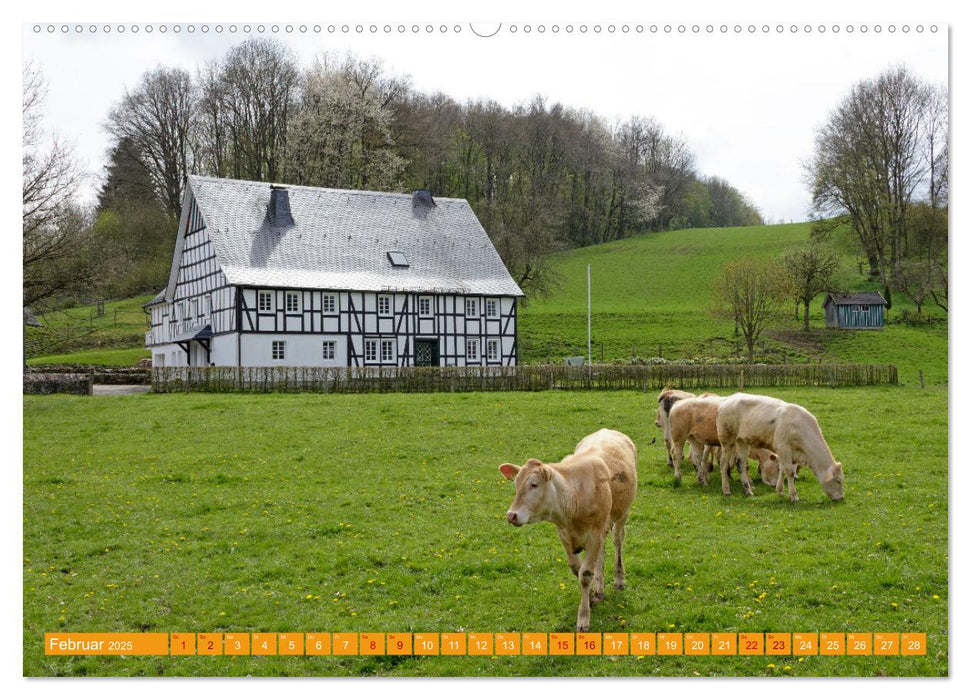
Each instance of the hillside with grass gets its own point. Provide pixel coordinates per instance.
(651, 297)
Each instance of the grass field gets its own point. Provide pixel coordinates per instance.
(386, 513)
(652, 292)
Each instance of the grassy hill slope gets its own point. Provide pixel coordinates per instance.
(651, 296)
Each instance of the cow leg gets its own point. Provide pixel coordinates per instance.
(588, 570)
(620, 531)
(787, 472)
(728, 456)
(677, 455)
(741, 455)
(571, 556)
(791, 477)
(698, 452)
(597, 595)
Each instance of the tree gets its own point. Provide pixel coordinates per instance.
(59, 255)
(753, 293)
(870, 159)
(813, 269)
(246, 103)
(152, 123)
(343, 134)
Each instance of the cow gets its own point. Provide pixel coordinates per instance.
(787, 429)
(768, 462)
(692, 420)
(586, 494)
(665, 401)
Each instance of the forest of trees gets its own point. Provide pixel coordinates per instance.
(541, 177)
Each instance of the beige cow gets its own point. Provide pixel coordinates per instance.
(585, 495)
(787, 429)
(692, 420)
(767, 459)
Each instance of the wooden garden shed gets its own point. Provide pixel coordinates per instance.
(860, 310)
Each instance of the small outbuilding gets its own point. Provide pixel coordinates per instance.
(860, 310)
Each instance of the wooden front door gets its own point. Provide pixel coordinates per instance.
(426, 353)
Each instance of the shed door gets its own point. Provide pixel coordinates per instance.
(426, 353)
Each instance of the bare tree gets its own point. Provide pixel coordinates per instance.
(753, 293)
(813, 269)
(870, 158)
(153, 123)
(58, 247)
(245, 108)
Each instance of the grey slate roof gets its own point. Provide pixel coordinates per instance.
(856, 298)
(155, 299)
(340, 240)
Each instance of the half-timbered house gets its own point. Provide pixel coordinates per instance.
(266, 275)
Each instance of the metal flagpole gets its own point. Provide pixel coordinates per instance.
(589, 355)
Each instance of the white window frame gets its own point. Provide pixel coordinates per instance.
(295, 297)
(193, 309)
(389, 345)
(425, 301)
(385, 299)
(329, 304)
(490, 344)
(208, 305)
(370, 350)
(472, 344)
(262, 295)
(278, 350)
(492, 308)
(331, 346)
(471, 307)
(865, 308)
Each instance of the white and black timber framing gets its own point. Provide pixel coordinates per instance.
(201, 318)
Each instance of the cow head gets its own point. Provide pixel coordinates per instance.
(832, 482)
(770, 469)
(533, 501)
(657, 419)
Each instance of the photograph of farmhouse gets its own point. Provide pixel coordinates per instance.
(441, 349)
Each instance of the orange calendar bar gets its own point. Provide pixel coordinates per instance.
(669, 643)
(859, 644)
(778, 643)
(886, 643)
(507, 644)
(643, 644)
(210, 644)
(237, 644)
(751, 643)
(805, 643)
(264, 644)
(453, 644)
(561, 644)
(616, 644)
(724, 644)
(317, 644)
(589, 644)
(535, 644)
(399, 643)
(696, 644)
(98, 644)
(291, 644)
(426, 644)
(372, 644)
(832, 643)
(913, 644)
(344, 644)
(183, 644)
(480, 644)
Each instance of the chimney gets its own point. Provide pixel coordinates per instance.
(422, 199)
(279, 210)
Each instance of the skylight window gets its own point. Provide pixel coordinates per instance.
(398, 259)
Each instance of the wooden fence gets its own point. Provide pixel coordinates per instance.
(521, 378)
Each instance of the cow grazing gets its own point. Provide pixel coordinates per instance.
(768, 462)
(585, 495)
(787, 429)
(692, 420)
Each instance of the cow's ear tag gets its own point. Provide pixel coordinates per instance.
(509, 470)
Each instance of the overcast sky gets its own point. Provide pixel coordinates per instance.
(746, 103)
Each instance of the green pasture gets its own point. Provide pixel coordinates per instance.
(385, 513)
(651, 295)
